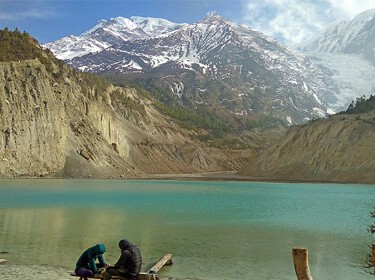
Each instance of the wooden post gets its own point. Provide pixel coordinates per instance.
(301, 263)
(373, 256)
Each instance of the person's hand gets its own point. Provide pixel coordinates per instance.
(100, 271)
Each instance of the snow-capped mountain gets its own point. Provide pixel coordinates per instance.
(220, 65)
(107, 33)
(347, 49)
(356, 36)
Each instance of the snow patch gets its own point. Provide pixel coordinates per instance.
(289, 120)
(131, 65)
(319, 112)
(177, 88)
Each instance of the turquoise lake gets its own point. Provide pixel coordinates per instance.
(215, 230)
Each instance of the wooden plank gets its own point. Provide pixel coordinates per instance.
(141, 276)
(301, 263)
(94, 277)
(146, 276)
(166, 260)
(3, 261)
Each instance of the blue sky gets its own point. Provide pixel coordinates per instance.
(290, 21)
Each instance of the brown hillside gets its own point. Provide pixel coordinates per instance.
(338, 149)
(67, 124)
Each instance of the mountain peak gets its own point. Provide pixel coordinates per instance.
(355, 36)
(366, 15)
(214, 17)
(100, 24)
(121, 23)
(155, 26)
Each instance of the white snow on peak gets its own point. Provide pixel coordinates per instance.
(340, 35)
(121, 23)
(155, 26)
(108, 32)
(100, 24)
(365, 16)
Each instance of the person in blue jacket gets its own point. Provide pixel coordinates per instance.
(86, 264)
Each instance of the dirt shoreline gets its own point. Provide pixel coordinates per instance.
(206, 176)
(233, 176)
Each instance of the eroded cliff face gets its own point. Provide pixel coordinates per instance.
(58, 124)
(33, 123)
(339, 149)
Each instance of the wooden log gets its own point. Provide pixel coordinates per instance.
(3, 261)
(141, 276)
(301, 263)
(373, 256)
(147, 276)
(165, 260)
(95, 277)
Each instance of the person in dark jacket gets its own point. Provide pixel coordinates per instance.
(86, 264)
(128, 265)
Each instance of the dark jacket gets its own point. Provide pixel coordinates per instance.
(89, 257)
(130, 261)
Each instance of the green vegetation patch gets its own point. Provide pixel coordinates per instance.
(120, 100)
(16, 46)
(361, 105)
(263, 122)
(101, 83)
(195, 120)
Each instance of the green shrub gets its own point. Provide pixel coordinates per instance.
(263, 122)
(195, 120)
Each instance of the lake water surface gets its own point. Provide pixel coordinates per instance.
(215, 230)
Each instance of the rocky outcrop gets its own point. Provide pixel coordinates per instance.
(338, 149)
(62, 124)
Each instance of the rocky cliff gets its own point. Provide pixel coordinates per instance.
(59, 122)
(338, 149)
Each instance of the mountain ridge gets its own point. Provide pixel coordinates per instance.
(218, 63)
(109, 32)
(347, 50)
(354, 36)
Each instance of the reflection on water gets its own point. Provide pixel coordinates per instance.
(216, 230)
